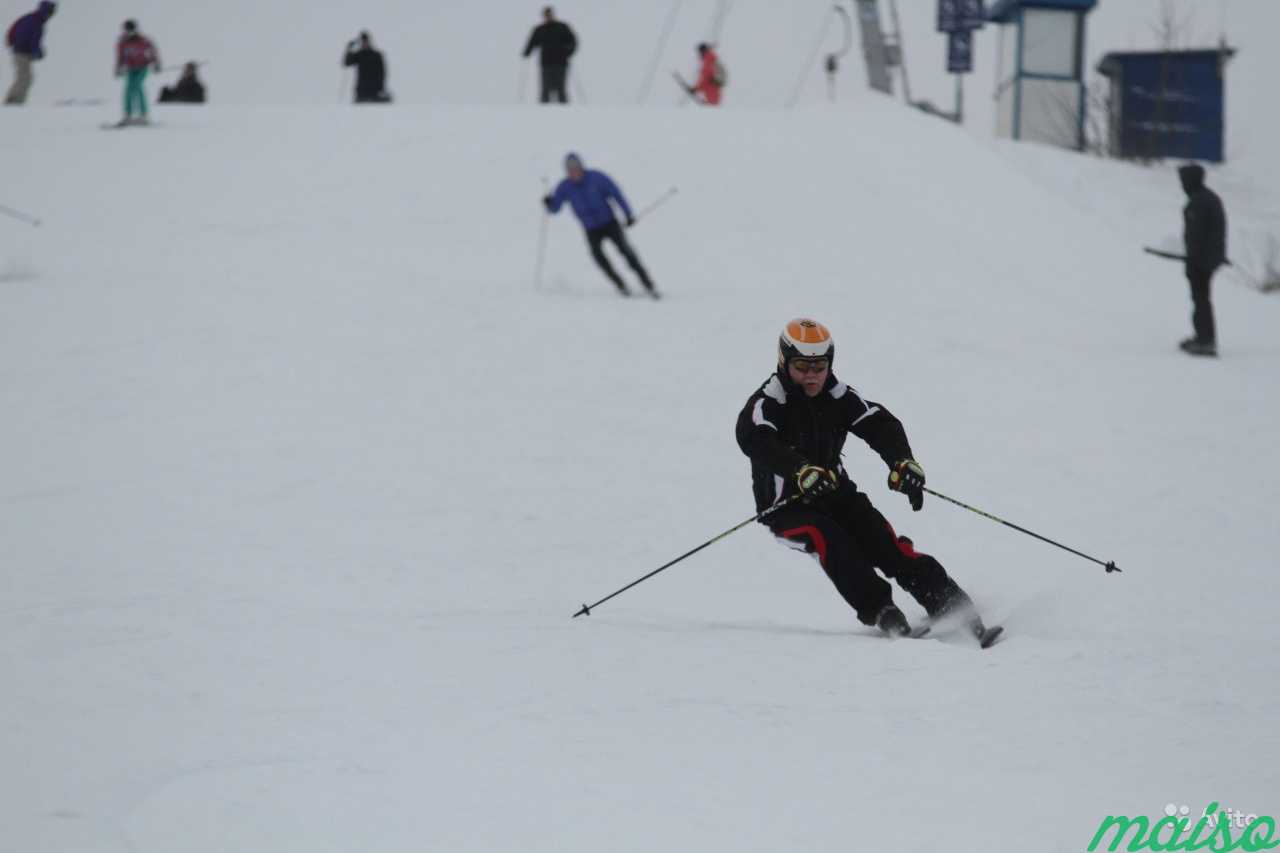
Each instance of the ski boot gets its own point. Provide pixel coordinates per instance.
(984, 635)
(892, 621)
(1194, 346)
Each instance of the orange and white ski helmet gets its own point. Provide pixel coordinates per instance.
(805, 338)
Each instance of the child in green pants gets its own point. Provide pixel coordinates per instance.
(135, 55)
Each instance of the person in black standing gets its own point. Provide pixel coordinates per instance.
(555, 43)
(371, 71)
(1205, 236)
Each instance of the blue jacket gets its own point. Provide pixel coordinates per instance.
(28, 31)
(589, 199)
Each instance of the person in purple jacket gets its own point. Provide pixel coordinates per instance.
(588, 192)
(25, 39)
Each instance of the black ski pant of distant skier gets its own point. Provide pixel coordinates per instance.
(555, 80)
(613, 231)
(851, 539)
(1202, 308)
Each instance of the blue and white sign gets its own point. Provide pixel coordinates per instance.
(972, 14)
(949, 16)
(960, 52)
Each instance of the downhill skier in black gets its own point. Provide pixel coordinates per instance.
(793, 429)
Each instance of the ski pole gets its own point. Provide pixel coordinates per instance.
(168, 68)
(688, 90)
(661, 200)
(1110, 565)
(20, 216)
(587, 608)
(542, 238)
(658, 51)
(1174, 256)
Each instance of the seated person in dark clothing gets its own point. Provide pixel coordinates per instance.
(188, 89)
(371, 71)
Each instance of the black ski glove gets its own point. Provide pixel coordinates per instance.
(546, 202)
(631, 220)
(814, 480)
(908, 477)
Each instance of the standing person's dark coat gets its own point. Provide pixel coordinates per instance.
(556, 44)
(1205, 237)
(371, 71)
(188, 89)
(25, 39)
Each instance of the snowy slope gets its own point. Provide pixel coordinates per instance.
(303, 480)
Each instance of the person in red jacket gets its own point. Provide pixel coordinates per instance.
(135, 54)
(711, 76)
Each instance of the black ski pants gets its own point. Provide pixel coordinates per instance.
(851, 539)
(555, 80)
(1201, 307)
(613, 231)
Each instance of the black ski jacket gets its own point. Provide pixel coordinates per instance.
(1204, 221)
(188, 90)
(371, 71)
(555, 41)
(781, 429)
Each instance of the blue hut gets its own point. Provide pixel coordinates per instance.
(1167, 103)
(1040, 71)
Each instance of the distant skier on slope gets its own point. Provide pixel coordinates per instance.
(793, 429)
(711, 77)
(135, 54)
(588, 192)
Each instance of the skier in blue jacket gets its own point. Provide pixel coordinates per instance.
(588, 192)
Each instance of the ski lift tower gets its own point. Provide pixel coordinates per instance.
(1040, 72)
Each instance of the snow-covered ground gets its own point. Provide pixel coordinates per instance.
(303, 478)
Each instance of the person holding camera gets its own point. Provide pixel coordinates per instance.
(371, 71)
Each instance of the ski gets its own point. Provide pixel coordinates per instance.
(917, 633)
(122, 125)
(986, 636)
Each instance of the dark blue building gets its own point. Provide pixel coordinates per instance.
(1167, 104)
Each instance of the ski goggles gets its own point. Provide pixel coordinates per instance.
(809, 365)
